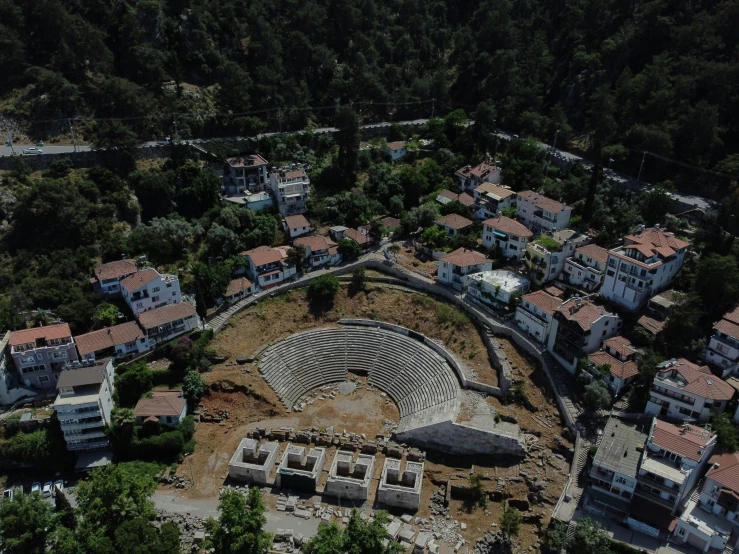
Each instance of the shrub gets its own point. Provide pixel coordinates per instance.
(183, 353)
(130, 385)
(193, 388)
(166, 447)
(187, 427)
(322, 290)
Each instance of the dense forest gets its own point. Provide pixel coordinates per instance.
(614, 77)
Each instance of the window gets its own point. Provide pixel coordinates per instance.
(174, 293)
(139, 304)
(169, 419)
(43, 379)
(155, 298)
(681, 531)
(610, 273)
(155, 289)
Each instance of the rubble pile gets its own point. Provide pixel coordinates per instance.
(493, 543)
(214, 414)
(192, 529)
(177, 481)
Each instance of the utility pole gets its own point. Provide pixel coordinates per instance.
(174, 120)
(10, 143)
(71, 129)
(638, 178)
(549, 157)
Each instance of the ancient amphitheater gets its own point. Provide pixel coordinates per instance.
(418, 376)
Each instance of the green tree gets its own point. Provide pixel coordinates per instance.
(597, 396)
(106, 315)
(510, 521)
(328, 540)
(601, 119)
(322, 290)
(25, 524)
(239, 528)
(63, 511)
(193, 388)
(359, 279)
(726, 432)
(589, 537)
(347, 137)
(210, 281)
(349, 250)
(719, 283)
(136, 381)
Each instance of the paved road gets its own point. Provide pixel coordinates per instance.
(6, 151)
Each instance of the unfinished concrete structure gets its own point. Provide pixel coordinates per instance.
(300, 471)
(400, 489)
(349, 479)
(253, 463)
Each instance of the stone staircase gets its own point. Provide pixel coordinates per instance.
(220, 320)
(571, 528)
(581, 476)
(561, 381)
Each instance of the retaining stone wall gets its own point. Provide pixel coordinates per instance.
(88, 158)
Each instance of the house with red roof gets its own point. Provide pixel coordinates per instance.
(507, 234)
(646, 264)
(267, 267)
(163, 324)
(106, 279)
(455, 266)
(578, 328)
(148, 289)
(535, 313)
(723, 348)
(247, 172)
(396, 150)
(620, 357)
(470, 177)
(684, 391)
(40, 354)
(454, 224)
(586, 268)
(290, 188)
(319, 250)
(711, 522)
(167, 407)
(238, 288)
(120, 341)
(491, 199)
(540, 213)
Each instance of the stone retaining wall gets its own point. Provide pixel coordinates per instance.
(88, 158)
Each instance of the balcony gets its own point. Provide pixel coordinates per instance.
(650, 482)
(80, 426)
(654, 498)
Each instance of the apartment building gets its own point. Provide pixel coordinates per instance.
(535, 313)
(120, 341)
(578, 328)
(472, 177)
(296, 225)
(723, 348)
(161, 325)
(148, 289)
(646, 264)
(84, 404)
(290, 188)
(319, 250)
(39, 354)
(684, 391)
(245, 173)
(496, 288)
(542, 214)
(586, 268)
(620, 356)
(106, 279)
(711, 522)
(507, 234)
(453, 224)
(613, 474)
(546, 256)
(266, 266)
(455, 266)
(490, 199)
(673, 461)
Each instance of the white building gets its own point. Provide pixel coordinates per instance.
(121, 341)
(472, 177)
(84, 403)
(242, 173)
(542, 214)
(237, 289)
(453, 224)
(266, 266)
(723, 349)
(296, 225)
(106, 278)
(534, 314)
(396, 150)
(40, 353)
(455, 266)
(163, 324)
(578, 328)
(496, 288)
(682, 391)
(507, 234)
(291, 189)
(546, 256)
(620, 356)
(490, 199)
(586, 268)
(10, 389)
(149, 289)
(319, 250)
(711, 522)
(646, 264)
(167, 407)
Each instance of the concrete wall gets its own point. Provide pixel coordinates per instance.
(463, 439)
(251, 473)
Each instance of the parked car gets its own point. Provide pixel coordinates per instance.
(32, 151)
(36, 487)
(48, 487)
(8, 494)
(58, 486)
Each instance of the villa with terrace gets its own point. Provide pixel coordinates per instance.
(586, 268)
(535, 313)
(542, 214)
(546, 256)
(507, 234)
(723, 349)
(620, 358)
(456, 266)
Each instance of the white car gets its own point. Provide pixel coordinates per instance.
(36, 487)
(58, 486)
(48, 486)
(32, 151)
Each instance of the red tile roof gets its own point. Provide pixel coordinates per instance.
(594, 252)
(700, 381)
(482, 171)
(237, 286)
(620, 344)
(291, 174)
(263, 255)
(108, 337)
(115, 270)
(296, 221)
(462, 257)
(48, 332)
(541, 201)
(454, 221)
(727, 472)
(463, 198)
(496, 190)
(160, 404)
(246, 161)
(659, 239)
(542, 300)
(623, 370)
(732, 316)
(684, 441)
(508, 225)
(139, 279)
(390, 222)
(554, 291)
(728, 328)
(583, 312)
(357, 237)
(652, 325)
(165, 314)
(397, 145)
(315, 242)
